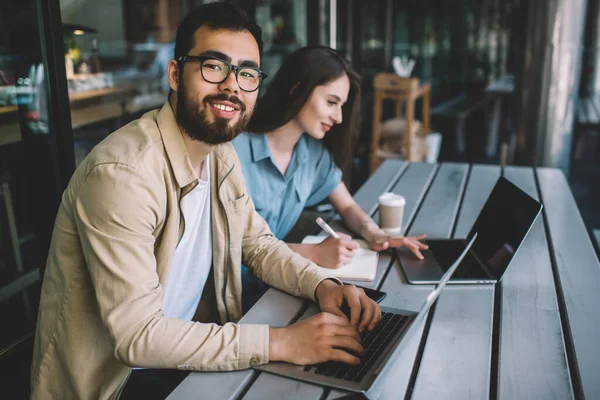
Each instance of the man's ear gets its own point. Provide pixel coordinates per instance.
(294, 88)
(173, 74)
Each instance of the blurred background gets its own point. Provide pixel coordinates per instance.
(485, 81)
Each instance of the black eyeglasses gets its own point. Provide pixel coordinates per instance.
(215, 70)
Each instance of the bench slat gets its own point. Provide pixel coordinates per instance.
(531, 345)
(578, 271)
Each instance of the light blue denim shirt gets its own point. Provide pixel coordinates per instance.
(311, 176)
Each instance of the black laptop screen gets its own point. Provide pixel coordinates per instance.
(502, 225)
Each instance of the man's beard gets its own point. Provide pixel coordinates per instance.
(195, 121)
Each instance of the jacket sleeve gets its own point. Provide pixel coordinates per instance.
(116, 215)
(275, 263)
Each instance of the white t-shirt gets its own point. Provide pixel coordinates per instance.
(193, 256)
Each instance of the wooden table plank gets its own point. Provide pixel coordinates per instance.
(578, 276)
(275, 308)
(532, 361)
(482, 179)
(457, 356)
(412, 185)
(379, 182)
(456, 359)
(438, 212)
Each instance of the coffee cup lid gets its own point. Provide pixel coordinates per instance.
(392, 199)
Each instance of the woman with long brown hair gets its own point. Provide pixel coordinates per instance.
(298, 142)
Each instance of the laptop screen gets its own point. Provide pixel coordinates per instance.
(502, 224)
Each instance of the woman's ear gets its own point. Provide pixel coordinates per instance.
(293, 89)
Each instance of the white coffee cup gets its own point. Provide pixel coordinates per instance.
(391, 211)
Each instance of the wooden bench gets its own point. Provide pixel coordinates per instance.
(457, 110)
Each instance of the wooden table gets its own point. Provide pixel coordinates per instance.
(532, 336)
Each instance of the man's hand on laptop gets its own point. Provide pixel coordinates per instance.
(334, 298)
(323, 337)
(314, 340)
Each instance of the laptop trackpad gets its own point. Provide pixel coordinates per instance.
(426, 270)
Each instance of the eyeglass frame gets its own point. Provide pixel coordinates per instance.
(234, 68)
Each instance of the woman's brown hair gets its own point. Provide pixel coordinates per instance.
(302, 71)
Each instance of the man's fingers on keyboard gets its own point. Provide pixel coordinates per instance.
(348, 331)
(342, 356)
(375, 320)
(355, 310)
(347, 343)
(367, 314)
(337, 319)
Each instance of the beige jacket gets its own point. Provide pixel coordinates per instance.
(115, 234)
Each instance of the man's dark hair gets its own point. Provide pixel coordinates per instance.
(216, 16)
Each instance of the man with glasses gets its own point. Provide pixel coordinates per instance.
(145, 262)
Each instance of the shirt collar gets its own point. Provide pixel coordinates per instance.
(302, 148)
(260, 147)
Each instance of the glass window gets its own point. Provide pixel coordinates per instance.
(116, 56)
(29, 189)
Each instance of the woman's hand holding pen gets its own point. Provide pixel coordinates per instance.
(379, 240)
(335, 253)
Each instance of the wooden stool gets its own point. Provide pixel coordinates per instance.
(403, 92)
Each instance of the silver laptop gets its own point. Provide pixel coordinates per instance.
(502, 225)
(379, 345)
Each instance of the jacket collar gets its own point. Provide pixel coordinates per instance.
(175, 149)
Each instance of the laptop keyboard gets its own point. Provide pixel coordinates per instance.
(373, 342)
(447, 252)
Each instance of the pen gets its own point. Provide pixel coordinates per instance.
(327, 228)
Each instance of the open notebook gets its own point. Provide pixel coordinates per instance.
(363, 266)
